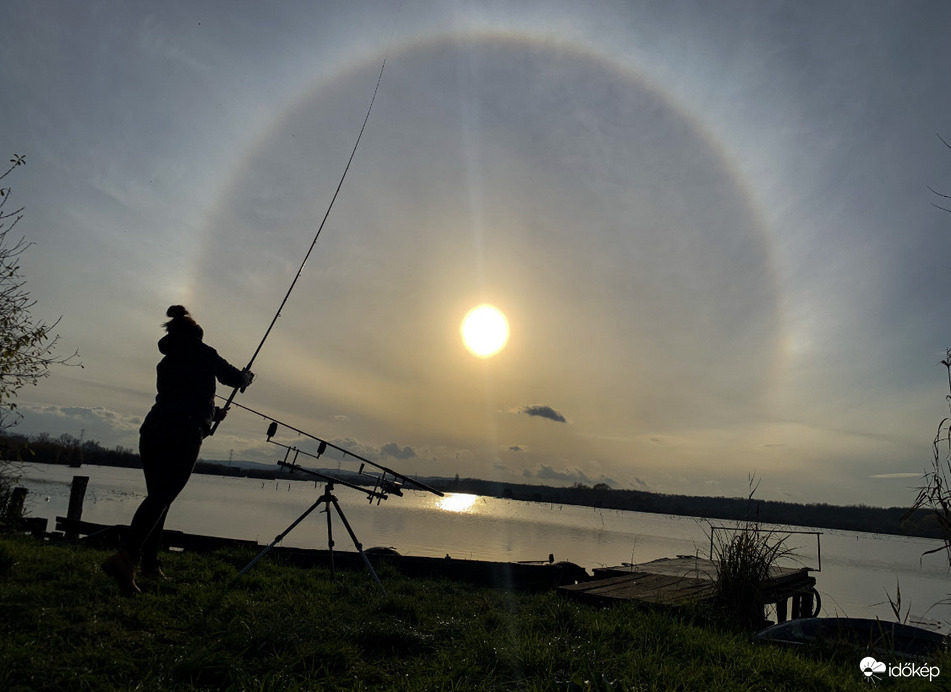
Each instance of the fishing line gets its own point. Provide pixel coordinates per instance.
(320, 228)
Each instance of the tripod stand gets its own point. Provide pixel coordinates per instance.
(328, 499)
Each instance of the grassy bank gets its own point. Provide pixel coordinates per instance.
(64, 626)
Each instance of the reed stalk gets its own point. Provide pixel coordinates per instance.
(744, 562)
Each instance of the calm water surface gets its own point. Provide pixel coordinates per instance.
(859, 570)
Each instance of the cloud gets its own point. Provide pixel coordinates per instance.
(83, 413)
(515, 448)
(640, 482)
(393, 450)
(368, 451)
(896, 475)
(546, 472)
(93, 423)
(352, 446)
(543, 412)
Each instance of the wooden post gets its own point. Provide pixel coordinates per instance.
(806, 606)
(15, 510)
(782, 608)
(77, 493)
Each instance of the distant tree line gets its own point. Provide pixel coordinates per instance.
(72, 451)
(891, 520)
(67, 450)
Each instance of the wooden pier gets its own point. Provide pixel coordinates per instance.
(686, 579)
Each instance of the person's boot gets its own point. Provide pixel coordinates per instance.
(152, 569)
(121, 567)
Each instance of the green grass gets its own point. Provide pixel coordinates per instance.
(64, 626)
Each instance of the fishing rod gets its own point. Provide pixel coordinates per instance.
(387, 482)
(333, 199)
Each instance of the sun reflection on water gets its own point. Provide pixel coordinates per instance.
(457, 502)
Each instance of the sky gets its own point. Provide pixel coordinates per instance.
(708, 225)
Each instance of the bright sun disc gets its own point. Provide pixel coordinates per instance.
(485, 331)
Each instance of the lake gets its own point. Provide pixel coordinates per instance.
(858, 570)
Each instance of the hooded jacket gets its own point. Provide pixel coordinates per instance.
(185, 380)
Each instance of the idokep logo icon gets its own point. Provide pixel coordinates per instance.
(872, 669)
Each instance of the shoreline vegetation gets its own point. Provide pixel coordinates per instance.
(281, 627)
(921, 523)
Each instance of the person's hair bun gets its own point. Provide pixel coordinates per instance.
(182, 322)
(176, 311)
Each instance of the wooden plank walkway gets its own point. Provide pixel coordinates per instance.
(642, 586)
(679, 580)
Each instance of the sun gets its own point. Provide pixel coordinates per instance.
(485, 331)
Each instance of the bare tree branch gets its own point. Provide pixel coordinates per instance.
(27, 346)
(935, 192)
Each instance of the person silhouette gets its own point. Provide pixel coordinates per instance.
(170, 438)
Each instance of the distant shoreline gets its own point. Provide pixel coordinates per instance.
(884, 520)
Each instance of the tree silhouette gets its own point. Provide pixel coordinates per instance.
(27, 346)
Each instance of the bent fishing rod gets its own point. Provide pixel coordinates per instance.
(320, 228)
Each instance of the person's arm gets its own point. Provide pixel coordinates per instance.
(229, 375)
